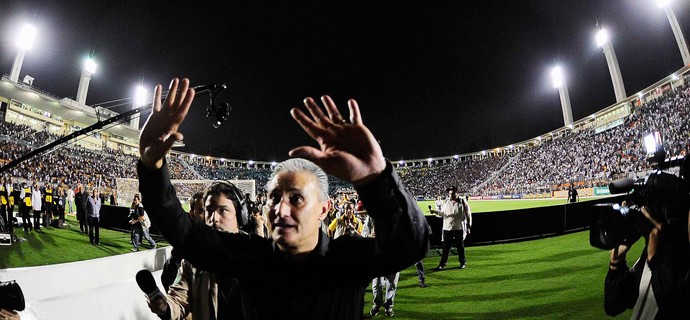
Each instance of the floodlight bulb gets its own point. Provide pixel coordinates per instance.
(602, 37)
(90, 66)
(650, 143)
(430, 159)
(663, 3)
(140, 96)
(557, 77)
(401, 162)
(26, 37)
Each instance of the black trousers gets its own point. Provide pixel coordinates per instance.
(25, 212)
(37, 219)
(94, 230)
(450, 238)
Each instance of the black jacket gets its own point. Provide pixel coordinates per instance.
(329, 283)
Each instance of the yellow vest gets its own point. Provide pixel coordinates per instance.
(27, 197)
(3, 199)
(9, 192)
(49, 195)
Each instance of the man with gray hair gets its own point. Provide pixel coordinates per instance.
(283, 276)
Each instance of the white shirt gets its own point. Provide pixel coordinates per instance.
(455, 214)
(36, 200)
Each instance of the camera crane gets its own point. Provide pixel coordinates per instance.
(213, 90)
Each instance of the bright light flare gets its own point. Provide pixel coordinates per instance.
(557, 77)
(140, 96)
(663, 3)
(26, 37)
(602, 37)
(90, 66)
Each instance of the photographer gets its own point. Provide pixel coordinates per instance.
(657, 286)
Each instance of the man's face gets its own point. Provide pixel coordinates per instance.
(452, 194)
(349, 210)
(220, 213)
(296, 210)
(198, 211)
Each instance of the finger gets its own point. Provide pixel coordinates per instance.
(332, 110)
(157, 92)
(355, 116)
(309, 126)
(309, 153)
(316, 112)
(172, 91)
(186, 104)
(184, 85)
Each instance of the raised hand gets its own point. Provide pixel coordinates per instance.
(347, 150)
(160, 131)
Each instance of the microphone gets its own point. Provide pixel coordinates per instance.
(621, 185)
(147, 284)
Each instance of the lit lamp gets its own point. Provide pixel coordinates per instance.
(603, 41)
(677, 32)
(25, 40)
(86, 72)
(140, 100)
(559, 82)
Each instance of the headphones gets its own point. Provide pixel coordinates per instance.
(224, 187)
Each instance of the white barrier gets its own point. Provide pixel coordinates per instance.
(101, 289)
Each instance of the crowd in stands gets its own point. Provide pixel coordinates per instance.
(580, 156)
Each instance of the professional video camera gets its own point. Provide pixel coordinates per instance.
(665, 195)
(11, 296)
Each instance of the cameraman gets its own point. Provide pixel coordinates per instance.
(347, 224)
(656, 287)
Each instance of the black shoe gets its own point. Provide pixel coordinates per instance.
(462, 265)
(422, 284)
(389, 312)
(440, 267)
(374, 311)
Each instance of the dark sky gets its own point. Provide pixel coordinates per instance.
(431, 79)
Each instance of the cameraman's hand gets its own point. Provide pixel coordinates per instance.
(9, 314)
(654, 235)
(158, 305)
(618, 256)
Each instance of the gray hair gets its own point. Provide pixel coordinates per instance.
(298, 164)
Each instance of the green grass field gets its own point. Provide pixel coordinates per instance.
(478, 206)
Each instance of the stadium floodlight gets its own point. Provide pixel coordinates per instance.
(603, 40)
(140, 96)
(663, 3)
(401, 162)
(677, 32)
(25, 40)
(557, 76)
(191, 156)
(86, 73)
(90, 66)
(273, 163)
(559, 82)
(456, 157)
(26, 37)
(602, 37)
(250, 162)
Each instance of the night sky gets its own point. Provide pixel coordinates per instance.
(431, 80)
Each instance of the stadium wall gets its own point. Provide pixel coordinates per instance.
(101, 289)
(523, 224)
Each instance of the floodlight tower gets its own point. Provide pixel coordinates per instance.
(86, 73)
(25, 41)
(677, 32)
(604, 42)
(560, 83)
(140, 100)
